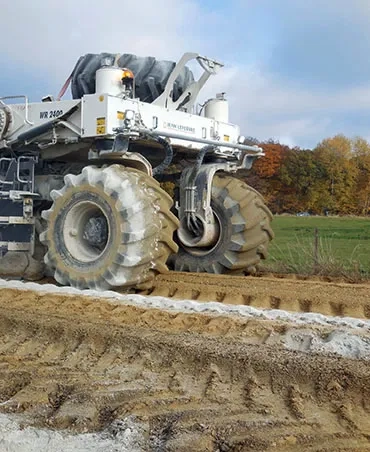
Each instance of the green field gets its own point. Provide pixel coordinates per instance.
(343, 245)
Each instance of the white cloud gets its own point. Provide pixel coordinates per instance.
(49, 35)
(272, 95)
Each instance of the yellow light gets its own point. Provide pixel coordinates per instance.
(126, 73)
(101, 98)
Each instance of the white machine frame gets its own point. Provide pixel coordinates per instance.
(101, 114)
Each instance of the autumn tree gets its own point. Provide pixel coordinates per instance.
(334, 176)
(336, 157)
(264, 174)
(269, 165)
(361, 158)
(301, 175)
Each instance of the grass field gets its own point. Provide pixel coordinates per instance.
(343, 246)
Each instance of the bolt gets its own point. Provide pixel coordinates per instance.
(73, 232)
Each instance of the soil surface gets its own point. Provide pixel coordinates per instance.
(334, 297)
(186, 381)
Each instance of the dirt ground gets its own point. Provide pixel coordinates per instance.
(330, 297)
(187, 381)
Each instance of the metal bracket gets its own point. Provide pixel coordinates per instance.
(188, 98)
(198, 227)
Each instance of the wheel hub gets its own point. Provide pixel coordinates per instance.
(96, 232)
(86, 231)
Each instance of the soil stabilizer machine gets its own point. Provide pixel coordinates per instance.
(127, 179)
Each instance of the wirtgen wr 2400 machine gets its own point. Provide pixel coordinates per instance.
(128, 178)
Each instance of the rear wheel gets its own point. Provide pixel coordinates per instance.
(244, 231)
(109, 227)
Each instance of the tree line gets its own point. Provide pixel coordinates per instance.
(333, 178)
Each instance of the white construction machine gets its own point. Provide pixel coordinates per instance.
(129, 178)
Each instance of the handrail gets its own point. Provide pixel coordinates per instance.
(26, 103)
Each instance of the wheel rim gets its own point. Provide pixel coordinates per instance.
(86, 231)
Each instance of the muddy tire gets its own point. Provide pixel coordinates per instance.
(108, 227)
(245, 232)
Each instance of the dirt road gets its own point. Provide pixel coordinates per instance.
(185, 380)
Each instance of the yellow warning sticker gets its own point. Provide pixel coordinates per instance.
(100, 130)
(100, 121)
(226, 138)
(120, 115)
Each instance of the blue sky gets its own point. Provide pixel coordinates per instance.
(296, 71)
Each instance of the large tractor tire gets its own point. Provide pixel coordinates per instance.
(109, 227)
(151, 75)
(244, 232)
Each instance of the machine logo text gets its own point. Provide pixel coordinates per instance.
(50, 114)
(179, 127)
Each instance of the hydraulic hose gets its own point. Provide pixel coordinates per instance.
(168, 156)
(37, 131)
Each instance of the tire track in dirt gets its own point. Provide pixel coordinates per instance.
(328, 298)
(194, 381)
(292, 293)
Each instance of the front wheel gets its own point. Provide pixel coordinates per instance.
(108, 227)
(244, 225)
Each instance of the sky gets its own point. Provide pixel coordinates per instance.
(295, 71)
